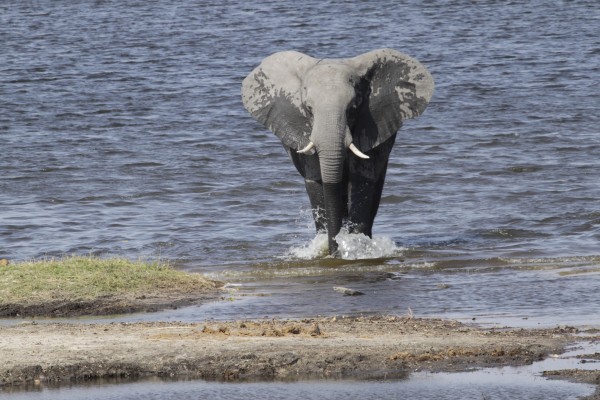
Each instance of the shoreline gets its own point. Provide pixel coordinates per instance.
(54, 353)
(51, 354)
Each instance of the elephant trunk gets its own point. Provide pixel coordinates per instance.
(331, 136)
(334, 212)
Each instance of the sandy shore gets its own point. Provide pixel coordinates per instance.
(59, 353)
(49, 354)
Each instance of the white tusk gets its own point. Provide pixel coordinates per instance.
(307, 148)
(357, 152)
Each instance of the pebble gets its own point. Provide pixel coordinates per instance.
(347, 291)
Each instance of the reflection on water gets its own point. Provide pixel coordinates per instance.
(502, 383)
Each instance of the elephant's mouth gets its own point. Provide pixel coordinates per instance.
(351, 147)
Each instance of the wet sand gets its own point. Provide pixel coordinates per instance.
(151, 301)
(35, 354)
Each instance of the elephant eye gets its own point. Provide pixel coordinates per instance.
(308, 109)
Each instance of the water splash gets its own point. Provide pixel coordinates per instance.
(352, 246)
(359, 246)
(316, 248)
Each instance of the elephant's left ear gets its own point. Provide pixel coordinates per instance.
(396, 88)
(271, 93)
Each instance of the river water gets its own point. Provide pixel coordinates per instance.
(122, 133)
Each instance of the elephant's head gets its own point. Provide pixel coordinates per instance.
(333, 106)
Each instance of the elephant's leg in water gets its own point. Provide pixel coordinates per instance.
(366, 180)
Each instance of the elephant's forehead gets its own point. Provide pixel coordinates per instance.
(326, 70)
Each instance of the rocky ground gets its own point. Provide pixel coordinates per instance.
(36, 354)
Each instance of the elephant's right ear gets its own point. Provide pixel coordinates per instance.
(271, 93)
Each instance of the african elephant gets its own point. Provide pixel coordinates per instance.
(337, 119)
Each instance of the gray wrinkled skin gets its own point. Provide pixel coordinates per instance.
(333, 103)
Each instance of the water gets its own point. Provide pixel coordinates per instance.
(122, 133)
(123, 130)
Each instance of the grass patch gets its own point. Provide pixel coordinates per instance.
(88, 278)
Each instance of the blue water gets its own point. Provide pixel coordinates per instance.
(424, 387)
(122, 133)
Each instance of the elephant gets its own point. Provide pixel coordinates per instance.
(337, 120)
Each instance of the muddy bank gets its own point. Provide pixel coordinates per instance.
(112, 305)
(57, 353)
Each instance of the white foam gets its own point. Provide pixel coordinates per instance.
(317, 247)
(359, 246)
(352, 246)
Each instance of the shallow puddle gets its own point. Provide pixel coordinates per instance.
(516, 293)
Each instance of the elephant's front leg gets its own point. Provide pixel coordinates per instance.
(366, 181)
(365, 195)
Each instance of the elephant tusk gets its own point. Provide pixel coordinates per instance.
(357, 152)
(307, 148)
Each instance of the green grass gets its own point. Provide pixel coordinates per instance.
(86, 278)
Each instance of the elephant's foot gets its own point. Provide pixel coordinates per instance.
(334, 251)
